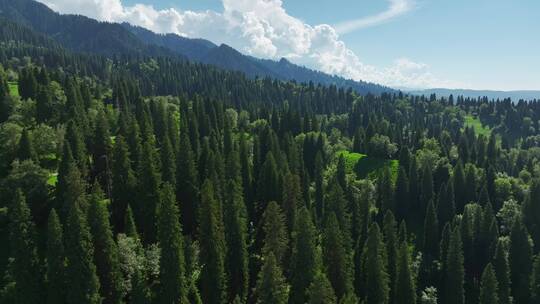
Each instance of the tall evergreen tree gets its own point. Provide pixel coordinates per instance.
(520, 261)
(124, 183)
(531, 213)
(26, 147)
(271, 285)
(187, 187)
(391, 243)
(405, 291)
(173, 287)
(56, 261)
(455, 274)
(305, 260)
(320, 291)
(276, 238)
(213, 250)
(502, 273)
(80, 270)
(105, 249)
(376, 276)
(149, 193)
(24, 268)
(489, 290)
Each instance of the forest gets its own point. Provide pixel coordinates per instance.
(151, 179)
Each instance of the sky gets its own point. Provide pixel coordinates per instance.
(469, 44)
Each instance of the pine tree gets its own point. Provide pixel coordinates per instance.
(187, 187)
(520, 261)
(101, 151)
(376, 276)
(489, 290)
(168, 162)
(56, 261)
(385, 192)
(320, 291)
(81, 270)
(105, 249)
(149, 194)
(24, 268)
(427, 192)
(305, 260)
(276, 238)
(26, 148)
(237, 238)
(292, 197)
(337, 262)
(124, 183)
(431, 233)
(391, 244)
(171, 268)
(401, 195)
(271, 285)
(531, 213)
(502, 272)
(455, 273)
(213, 250)
(130, 228)
(459, 187)
(405, 291)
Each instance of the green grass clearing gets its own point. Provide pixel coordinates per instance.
(479, 129)
(13, 88)
(368, 167)
(53, 179)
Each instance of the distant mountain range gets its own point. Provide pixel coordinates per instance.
(514, 95)
(82, 34)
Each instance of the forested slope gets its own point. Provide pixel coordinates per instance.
(149, 179)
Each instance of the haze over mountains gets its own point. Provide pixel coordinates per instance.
(82, 34)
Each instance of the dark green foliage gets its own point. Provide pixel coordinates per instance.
(149, 194)
(520, 261)
(271, 285)
(24, 269)
(173, 287)
(391, 243)
(81, 270)
(124, 184)
(212, 242)
(502, 273)
(26, 148)
(187, 183)
(105, 249)
(376, 276)
(276, 240)
(320, 291)
(531, 212)
(56, 261)
(455, 274)
(306, 263)
(490, 286)
(405, 291)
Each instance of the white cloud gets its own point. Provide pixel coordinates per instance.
(263, 28)
(396, 8)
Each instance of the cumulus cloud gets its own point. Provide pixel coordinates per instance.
(396, 8)
(263, 28)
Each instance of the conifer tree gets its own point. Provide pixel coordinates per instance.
(268, 184)
(101, 151)
(401, 195)
(391, 242)
(26, 148)
(173, 287)
(24, 268)
(124, 183)
(212, 242)
(520, 261)
(305, 261)
(80, 270)
(75, 139)
(149, 194)
(187, 187)
(320, 291)
(459, 187)
(535, 281)
(56, 261)
(427, 192)
(502, 273)
(531, 213)
(276, 238)
(237, 242)
(405, 291)
(376, 276)
(292, 197)
(455, 273)
(168, 162)
(489, 289)
(140, 293)
(385, 192)
(431, 232)
(105, 249)
(271, 284)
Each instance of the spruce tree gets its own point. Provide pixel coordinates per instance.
(24, 269)
(489, 289)
(187, 187)
(271, 285)
(26, 147)
(305, 260)
(124, 183)
(80, 270)
(149, 194)
(105, 249)
(173, 287)
(535, 280)
(455, 273)
(292, 197)
(337, 261)
(376, 276)
(140, 293)
(431, 233)
(320, 291)
(237, 243)
(276, 238)
(405, 291)
(56, 261)
(213, 250)
(502, 273)
(520, 261)
(401, 195)
(531, 213)
(391, 244)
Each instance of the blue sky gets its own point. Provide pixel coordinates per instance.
(479, 44)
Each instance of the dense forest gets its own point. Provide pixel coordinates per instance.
(150, 179)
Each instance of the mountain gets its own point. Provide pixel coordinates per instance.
(78, 33)
(228, 58)
(514, 95)
(81, 34)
